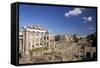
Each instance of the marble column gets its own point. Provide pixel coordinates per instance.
(39, 39)
(31, 40)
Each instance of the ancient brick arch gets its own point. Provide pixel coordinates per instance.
(89, 52)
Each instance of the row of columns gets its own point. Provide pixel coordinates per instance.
(32, 39)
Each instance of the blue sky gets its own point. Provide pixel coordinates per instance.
(59, 20)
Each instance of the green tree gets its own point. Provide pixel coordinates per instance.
(57, 37)
(93, 38)
(75, 37)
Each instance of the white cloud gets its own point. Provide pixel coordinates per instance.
(90, 28)
(88, 19)
(74, 12)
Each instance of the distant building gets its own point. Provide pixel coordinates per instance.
(65, 38)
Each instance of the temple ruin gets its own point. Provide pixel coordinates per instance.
(33, 37)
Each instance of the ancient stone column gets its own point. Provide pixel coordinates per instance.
(20, 46)
(31, 40)
(24, 40)
(27, 42)
(39, 39)
(43, 40)
(34, 39)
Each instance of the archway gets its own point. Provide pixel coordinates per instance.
(94, 56)
(88, 55)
